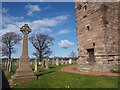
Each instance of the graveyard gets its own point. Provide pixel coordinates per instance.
(54, 78)
(43, 52)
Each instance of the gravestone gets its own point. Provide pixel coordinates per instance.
(47, 62)
(50, 61)
(53, 61)
(43, 63)
(10, 66)
(62, 62)
(16, 63)
(70, 61)
(31, 62)
(36, 65)
(57, 62)
(5, 63)
(39, 63)
(24, 72)
(66, 62)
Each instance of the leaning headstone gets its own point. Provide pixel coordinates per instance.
(57, 62)
(36, 65)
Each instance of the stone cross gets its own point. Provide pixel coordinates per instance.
(24, 72)
(25, 30)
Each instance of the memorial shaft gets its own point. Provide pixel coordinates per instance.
(25, 45)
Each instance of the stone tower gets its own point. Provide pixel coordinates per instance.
(24, 72)
(97, 34)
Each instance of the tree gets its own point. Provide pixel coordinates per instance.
(41, 43)
(72, 54)
(9, 40)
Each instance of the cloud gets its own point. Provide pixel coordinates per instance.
(65, 31)
(32, 9)
(4, 10)
(65, 44)
(11, 23)
(46, 8)
(51, 21)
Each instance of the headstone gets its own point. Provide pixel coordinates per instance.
(40, 63)
(57, 62)
(10, 65)
(16, 63)
(36, 65)
(31, 62)
(66, 62)
(70, 61)
(43, 63)
(47, 63)
(50, 61)
(53, 61)
(5, 63)
(24, 72)
(62, 62)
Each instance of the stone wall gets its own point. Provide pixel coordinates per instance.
(97, 28)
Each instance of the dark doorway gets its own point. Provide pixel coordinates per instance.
(91, 58)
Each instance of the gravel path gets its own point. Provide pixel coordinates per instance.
(72, 69)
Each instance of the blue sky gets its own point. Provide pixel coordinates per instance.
(56, 19)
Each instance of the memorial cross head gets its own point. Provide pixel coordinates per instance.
(25, 29)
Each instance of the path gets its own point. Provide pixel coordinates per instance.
(72, 69)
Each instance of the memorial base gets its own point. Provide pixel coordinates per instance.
(23, 73)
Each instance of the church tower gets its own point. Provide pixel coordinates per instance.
(97, 34)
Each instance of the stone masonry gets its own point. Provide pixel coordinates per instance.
(97, 34)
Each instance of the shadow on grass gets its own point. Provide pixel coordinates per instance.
(5, 83)
(43, 73)
(51, 67)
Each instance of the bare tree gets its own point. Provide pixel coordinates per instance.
(42, 45)
(8, 41)
(73, 54)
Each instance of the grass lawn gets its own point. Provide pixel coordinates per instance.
(52, 78)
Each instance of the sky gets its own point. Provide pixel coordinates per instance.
(56, 19)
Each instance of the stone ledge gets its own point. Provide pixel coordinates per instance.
(20, 79)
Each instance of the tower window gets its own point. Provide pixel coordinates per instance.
(88, 28)
(79, 7)
(85, 7)
(93, 44)
(85, 16)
